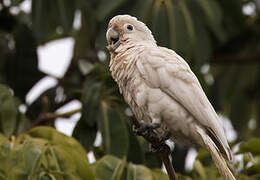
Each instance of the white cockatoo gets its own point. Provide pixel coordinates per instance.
(160, 88)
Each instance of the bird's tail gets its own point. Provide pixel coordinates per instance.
(219, 161)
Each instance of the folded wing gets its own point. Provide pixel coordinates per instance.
(163, 68)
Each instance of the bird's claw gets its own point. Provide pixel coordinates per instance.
(145, 128)
(165, 136)
(162, 148)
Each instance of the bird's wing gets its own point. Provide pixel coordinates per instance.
(163, 68)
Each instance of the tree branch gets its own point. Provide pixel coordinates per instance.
(164, 154)
(44, 117)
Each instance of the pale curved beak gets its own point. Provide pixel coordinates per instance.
(112, 36)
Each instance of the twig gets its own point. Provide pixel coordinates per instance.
(52, 116)
(164, 154)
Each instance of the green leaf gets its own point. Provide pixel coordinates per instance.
(188, 21)
(85, 134)
(105, 9)
(72, 157)
(135, 149)
(8, 111)
(172, 23)
(12, 122)
(160, 20)
(113, 130)
(56, 138)
(138, 172)
(200, 170)
(43, 153)
(109, 167)
(252, 145)
(212, 11)
(86, 128)
(213, 14)
(202, 154)
(91, 101)
(203, 49)
(151, 159)
(158, 175)
(3, 139)
(23, 124)
(60, 14)
(21, 66)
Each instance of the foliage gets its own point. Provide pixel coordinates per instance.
(43, 153)
(219, 41)
(110, 167)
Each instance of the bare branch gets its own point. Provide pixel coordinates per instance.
(44, 117)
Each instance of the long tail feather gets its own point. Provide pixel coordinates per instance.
(219, 161)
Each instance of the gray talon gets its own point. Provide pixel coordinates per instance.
(162, 148)
(145, 128)
(165, 136)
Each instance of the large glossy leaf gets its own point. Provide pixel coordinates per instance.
(43, 153)
(85, 133)
(236, 98)
(105, 8)
(21, 66)
(188, 22)
(110, 167)
(113, 130)
(213, 14)
(160, 20)
(201, 172)
(60, 15)
(181, 25)
(86, 128)
(8, 111)
(138, 172)
(135, 149)
(101, 112)
(252, 145)
(91, 98)
(85, 37)
(12, 122)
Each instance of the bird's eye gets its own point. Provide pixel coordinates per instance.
(129, 27)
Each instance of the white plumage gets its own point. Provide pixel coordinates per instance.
(160, 87)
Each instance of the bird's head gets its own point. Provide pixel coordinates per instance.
(123, 28)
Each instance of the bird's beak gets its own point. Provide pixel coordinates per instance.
(113, 37)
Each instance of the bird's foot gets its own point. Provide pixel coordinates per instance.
(145, 128)
(165, 136)
(162, 148)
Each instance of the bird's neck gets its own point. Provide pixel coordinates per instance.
(123, 61)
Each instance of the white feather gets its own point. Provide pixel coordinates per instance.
(159, 86)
